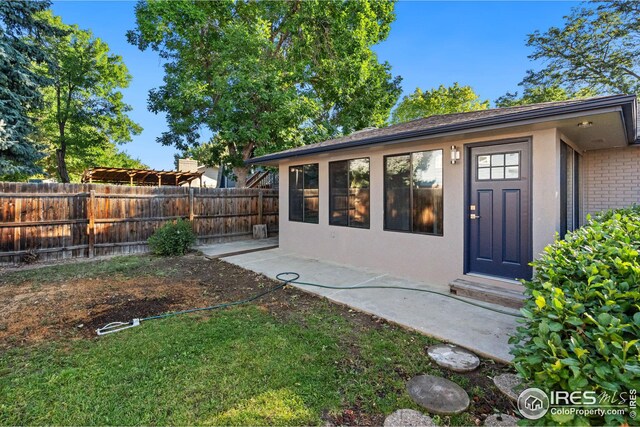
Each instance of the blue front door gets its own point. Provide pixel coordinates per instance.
(498, 210)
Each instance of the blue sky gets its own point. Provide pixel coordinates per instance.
(481, 44)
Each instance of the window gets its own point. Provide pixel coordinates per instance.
(413, 192)
(569, 190)
(498, 166)
(349, 193)
(303, 193)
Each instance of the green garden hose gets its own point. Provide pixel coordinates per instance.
(403, 288)
(118, 326)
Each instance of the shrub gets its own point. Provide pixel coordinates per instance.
(582, 317)
(174, 238)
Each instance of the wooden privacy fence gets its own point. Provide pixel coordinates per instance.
(76, 220)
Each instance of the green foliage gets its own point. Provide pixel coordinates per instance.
(582, 320)
(174, 238)
(260, 77)
(78, 160)
(442, 100)
(596, 51)
(110, 156)
(21, 30)
(537, 94)
(83, 115)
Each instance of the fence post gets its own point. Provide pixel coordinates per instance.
(91, 207)
(17, 218)
(260, 198)
(191, 215)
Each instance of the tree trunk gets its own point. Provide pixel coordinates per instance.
(62, 166)
(220, 176)
(241, 173)
(62, 151)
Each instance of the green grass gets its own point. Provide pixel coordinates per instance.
(241, 366)
(124, 266)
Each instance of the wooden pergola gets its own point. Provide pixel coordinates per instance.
(139, 177)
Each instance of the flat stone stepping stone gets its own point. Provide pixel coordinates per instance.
(408, 418)
(453, 357)
(501, 420)
(509, 384)
(438, 395)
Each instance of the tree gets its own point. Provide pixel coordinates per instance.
(537, 94)
(83, 114)
(99, 155)
(21, 30)
(442, 100)
(114, 158)
(265, 76)
(595, 52)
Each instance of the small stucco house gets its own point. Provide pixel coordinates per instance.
(476, 194)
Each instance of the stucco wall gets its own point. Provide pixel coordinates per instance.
(611, 178)
(432, 259)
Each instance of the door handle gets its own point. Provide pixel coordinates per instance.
(474, 216)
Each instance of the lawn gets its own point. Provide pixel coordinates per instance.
(288, 359)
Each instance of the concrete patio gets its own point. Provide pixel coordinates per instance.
(480, 330)
(237, 247)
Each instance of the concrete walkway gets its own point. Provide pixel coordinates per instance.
(479, 330)
(237, 247)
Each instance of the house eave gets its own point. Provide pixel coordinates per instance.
(626, 102)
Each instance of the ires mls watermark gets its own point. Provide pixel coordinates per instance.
(534, 403)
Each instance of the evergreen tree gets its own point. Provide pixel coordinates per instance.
(21, 31)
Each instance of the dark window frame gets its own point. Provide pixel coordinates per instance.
(411, 201)
(348, 188)
(304, 197)
(565, 151)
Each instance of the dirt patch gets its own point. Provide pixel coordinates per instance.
(128, 310)
(36, 310)
(485, 403)
(354, 417)
(34, 313)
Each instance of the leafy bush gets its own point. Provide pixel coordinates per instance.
(172, 238)
(582, 317)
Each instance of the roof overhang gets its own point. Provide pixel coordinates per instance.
(625, 105)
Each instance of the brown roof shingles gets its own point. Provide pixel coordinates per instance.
(434, 123)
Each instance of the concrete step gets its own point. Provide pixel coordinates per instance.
(506, 296)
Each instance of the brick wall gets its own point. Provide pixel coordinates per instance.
(612, 178)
